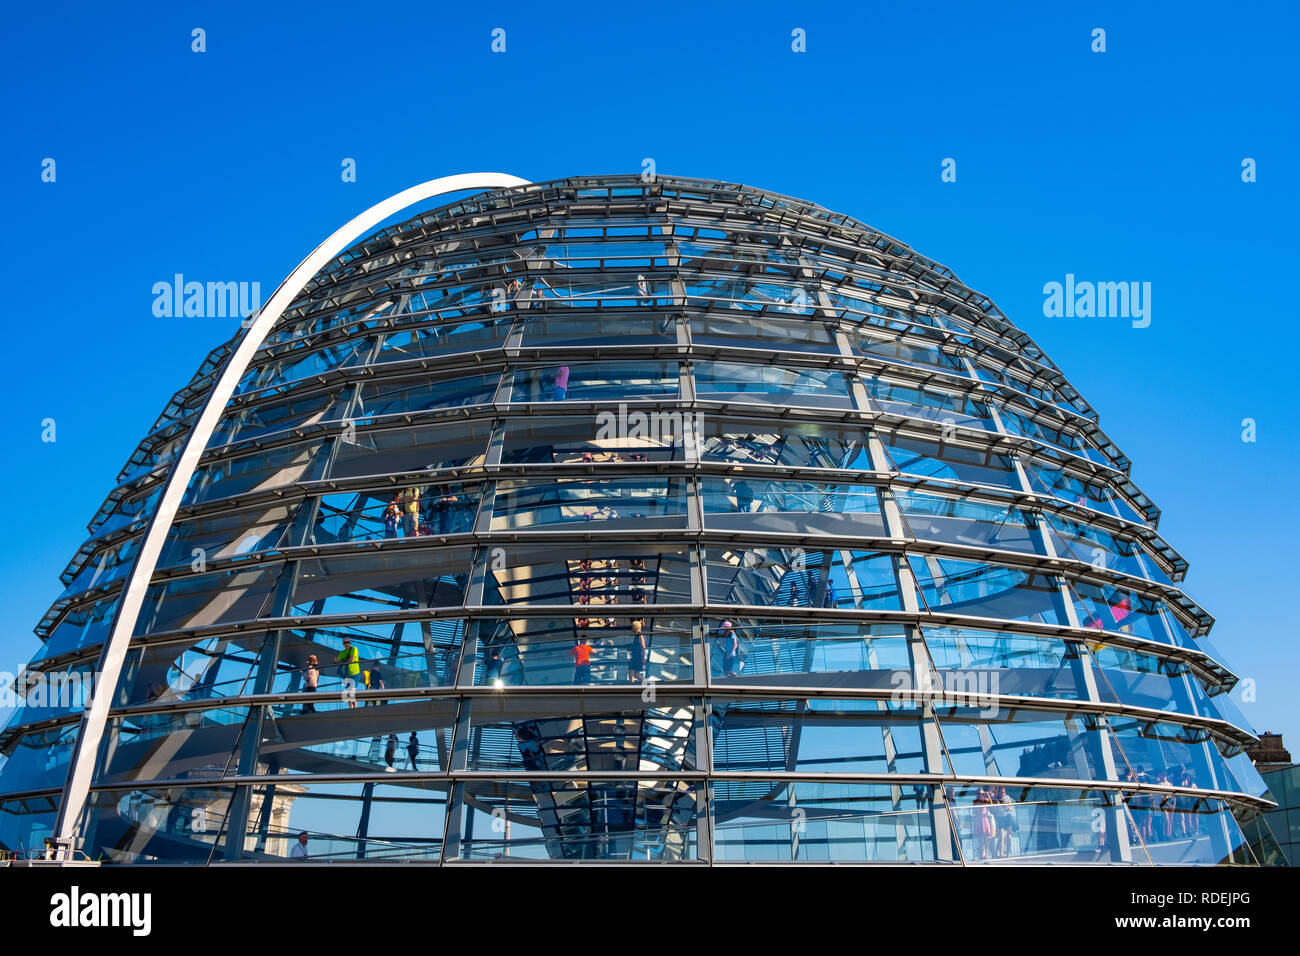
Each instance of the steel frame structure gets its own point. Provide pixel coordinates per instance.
(972, 521)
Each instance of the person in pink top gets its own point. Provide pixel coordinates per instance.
(561, 383)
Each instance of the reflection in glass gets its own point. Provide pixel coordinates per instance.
(948, 461)
(819, 735)
(795, 507)
(647, 820)
(1000, 662)
(794, 577)
(733, 382)
(972, 523)
(1034, 825)
(604, 504)
(986, 590)
(532, 651)
(805, 446)
(595, 382)
(158, 825)
(812, 653)
(773, 820)
(390, 822)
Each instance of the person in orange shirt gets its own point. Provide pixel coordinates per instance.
(581, 652)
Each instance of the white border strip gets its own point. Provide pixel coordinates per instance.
(95, 718)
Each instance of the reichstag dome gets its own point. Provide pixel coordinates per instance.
(628, 521)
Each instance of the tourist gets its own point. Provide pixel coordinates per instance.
(581, 653)
(1165, 814)
(443, 510)
(392, 515)
(636, 665)
(985, 826)
(410, 512)
(375, 681)
(349, 668)
(492, 666)
(729, 644)
(310, 681)
(1004, 815)
(744, 495)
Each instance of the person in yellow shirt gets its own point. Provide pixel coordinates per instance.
(410, 512)
(349, 662)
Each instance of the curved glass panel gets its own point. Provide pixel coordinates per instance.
(300, 364)
(769, 576)
(37, 760)
(1127, 676)
(253, 421)
(378, 583)
(589, 576)
(432, 341)
(986, 590)
(591, 649)
(404, 396)
(1038, 826)
(227, 534)
(805, 446)
(553, 331)
(595, 382)
(654, 821)
(203, 600)
(104, 567)
(1102, 549)
(951, 409)
(607, 504)
(734, 382)
(1002, 663)
(762, 332)
(397, 451)
(906, 351)
(600, 440)
(812, 653)
(81, 626)
(792, 507)
(265, 469)
(1185, 831)
(982, 739)
(819, 735)
(789, 821)
(26, 823)
(1113, 608)
(974, 524)
(948, 461)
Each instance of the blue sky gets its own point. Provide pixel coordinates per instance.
(1115, 166)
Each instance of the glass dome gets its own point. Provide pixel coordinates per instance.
(616, 520)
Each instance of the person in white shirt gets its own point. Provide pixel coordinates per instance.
(299, 851)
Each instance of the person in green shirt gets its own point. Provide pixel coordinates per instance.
(349, 662)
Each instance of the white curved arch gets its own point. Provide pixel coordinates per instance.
(95, 717)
